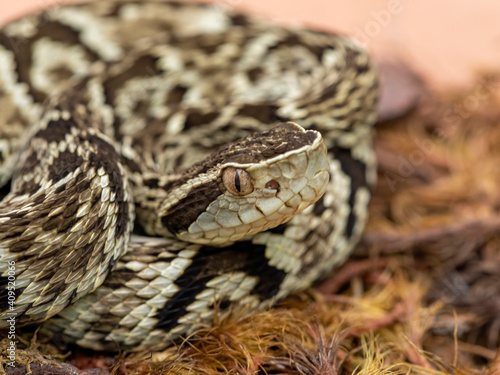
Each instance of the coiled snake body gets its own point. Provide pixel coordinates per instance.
(183, 118)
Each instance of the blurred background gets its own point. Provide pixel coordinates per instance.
(447, 42)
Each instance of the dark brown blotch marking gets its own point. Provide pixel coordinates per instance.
(280, 229)
(240, 20)
(106, 157)
(131, 165)
(328, 93)
(56, 130)
(27, 167)
(151, 183)
(195, 119)
(294, 40)
(263, 113)
(356, 170)
(254, 74)
(319, 206)
(144, 66)
(211, 262)
(22, 48)
(185, 212)
(66, 163)
(4, 293)
(176, 95)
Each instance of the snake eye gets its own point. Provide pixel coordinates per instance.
(237, 181)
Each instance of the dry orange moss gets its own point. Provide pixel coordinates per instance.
(379, 331)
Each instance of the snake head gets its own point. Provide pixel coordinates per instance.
(249, 186)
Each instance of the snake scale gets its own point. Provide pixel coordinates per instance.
(171, 160)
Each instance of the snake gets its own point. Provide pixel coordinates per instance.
(166, 162)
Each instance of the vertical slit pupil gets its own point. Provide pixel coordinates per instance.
(237, 180)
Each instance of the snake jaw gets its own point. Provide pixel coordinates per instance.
(283, 186)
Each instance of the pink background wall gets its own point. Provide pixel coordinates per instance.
(448, 41)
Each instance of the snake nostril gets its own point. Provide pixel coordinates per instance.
(272, 184)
